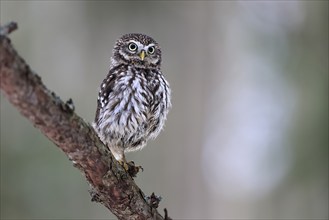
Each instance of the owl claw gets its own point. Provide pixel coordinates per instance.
(131, 168)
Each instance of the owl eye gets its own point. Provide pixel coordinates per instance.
(132, 47)
(151, 50)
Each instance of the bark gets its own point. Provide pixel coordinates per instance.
(110, 184)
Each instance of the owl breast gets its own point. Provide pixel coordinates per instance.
(133, 105)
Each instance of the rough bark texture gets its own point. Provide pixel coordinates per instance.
(111, 185)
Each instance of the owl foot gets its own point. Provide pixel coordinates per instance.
(131, 168)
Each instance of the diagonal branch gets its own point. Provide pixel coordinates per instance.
(111, 185)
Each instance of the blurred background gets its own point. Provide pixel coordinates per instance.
(247, 136)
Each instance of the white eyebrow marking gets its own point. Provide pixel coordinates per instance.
(139, 45)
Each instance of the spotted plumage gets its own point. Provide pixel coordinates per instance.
(134, 98)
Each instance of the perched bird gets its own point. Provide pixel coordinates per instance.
(134, 98)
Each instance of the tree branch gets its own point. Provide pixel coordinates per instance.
(110, 184)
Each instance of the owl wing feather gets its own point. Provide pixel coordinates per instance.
(106, 89)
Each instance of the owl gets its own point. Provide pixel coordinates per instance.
(134, 98)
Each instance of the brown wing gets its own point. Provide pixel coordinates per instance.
(106, 89)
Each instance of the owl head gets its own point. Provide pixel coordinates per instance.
(138, 50)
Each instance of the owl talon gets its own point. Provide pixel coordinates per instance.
(131, 168)
(124, 165)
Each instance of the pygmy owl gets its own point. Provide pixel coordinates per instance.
(134, 98)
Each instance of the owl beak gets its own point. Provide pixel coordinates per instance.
(142, 55)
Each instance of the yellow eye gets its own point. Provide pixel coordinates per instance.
(132, 47)
(151, 50)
